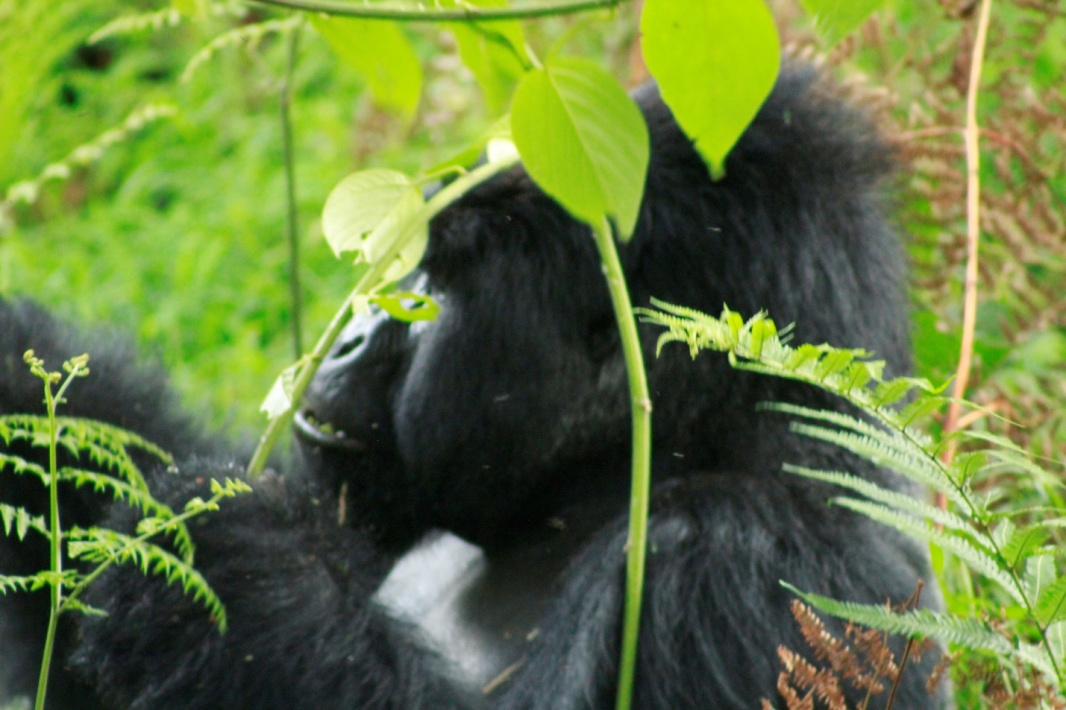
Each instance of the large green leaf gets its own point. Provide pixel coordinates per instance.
(836, 18)
(381, 53)
(716, 62)
(583, 140)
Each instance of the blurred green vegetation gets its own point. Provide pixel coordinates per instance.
(177, 234)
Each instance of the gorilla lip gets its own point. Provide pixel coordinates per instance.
(308, 427)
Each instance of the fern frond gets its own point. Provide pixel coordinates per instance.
(132, 24)
(28, 191)
(1037, 657)
(908, 441)
(20, 466)
(968, 632)
(24, 427)
(22, 521)
(893, 499)
(976, 554)
(1051, 604)
(137, 498)
(92, 431)
(9, 583)
(919, 468)
(245, 35)
(100, 546)
(74, 604)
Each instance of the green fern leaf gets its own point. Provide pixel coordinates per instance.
(22, 521)
(19, 584)
(973, 552)
(20, 466)
(1051, 604)
(1022, 543)
(101, 545)
(1037, 657)
(907, 442)
(893, 499)
(921, 469)
(136, 497)
(948, 628)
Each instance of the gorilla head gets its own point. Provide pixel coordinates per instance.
(513, 403)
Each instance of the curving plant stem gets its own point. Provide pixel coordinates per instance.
(973, 231)
(412, 12)
(640, 403)
(370, 282)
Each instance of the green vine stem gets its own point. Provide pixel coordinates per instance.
(640, 402)
(52, 401)
(409, 12)
(370, 282)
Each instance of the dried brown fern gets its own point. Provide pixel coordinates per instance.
(861, 660)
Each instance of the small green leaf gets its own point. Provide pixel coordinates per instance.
(407, 306)
(836, 18)
(1023, 543)
(583, 140)
(279, 400)
(358, 204)
(369, 211)
(1056, 638)
(1039, 574)
(716, 62)
(1051, 604)
(381, 53)
(399, 225)
(494, 52)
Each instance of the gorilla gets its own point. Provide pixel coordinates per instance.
(452, 532)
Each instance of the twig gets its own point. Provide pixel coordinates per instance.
(973, 234)
(285, 106)
(410, 12)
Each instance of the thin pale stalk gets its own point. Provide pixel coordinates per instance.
(973, 229)
(640, 403)
(370, 281)
(409, 12)
(285, 105)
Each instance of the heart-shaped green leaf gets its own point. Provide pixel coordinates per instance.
(716, 62)
(583, 140)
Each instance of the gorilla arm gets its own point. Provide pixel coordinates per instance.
(714, 610)
(303, 631)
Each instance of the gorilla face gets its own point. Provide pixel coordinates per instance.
(474, 419)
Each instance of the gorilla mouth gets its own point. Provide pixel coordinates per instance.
(325, 434)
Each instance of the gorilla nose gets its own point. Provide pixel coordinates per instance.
(367, 342)
(346, 406)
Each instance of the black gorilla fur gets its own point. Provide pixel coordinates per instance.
(506, 422)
